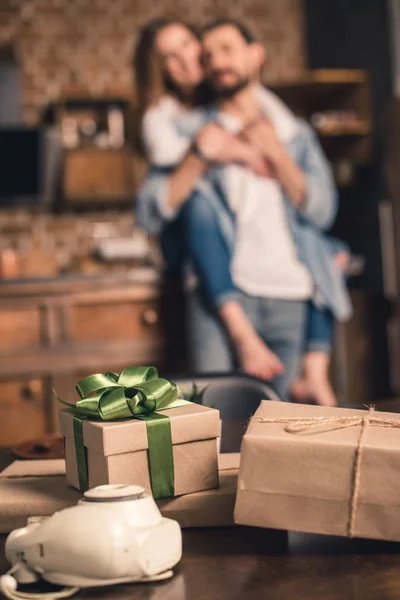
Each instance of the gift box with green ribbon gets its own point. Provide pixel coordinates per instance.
(209, 508)
(133, 428)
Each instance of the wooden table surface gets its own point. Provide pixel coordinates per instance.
(247, 563)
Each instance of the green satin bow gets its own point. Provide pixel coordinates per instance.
(136, 393)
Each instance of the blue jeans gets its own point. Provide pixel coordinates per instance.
(279, 322)
(207, 248)
(211, 259)
(320, 324)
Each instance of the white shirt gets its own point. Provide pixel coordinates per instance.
(163, 144)
(265, 261)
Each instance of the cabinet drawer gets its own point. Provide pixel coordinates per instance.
(19, 329)
(97, 174)
(117, 321)
(22, 410)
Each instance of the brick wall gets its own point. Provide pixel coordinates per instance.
(72, 46)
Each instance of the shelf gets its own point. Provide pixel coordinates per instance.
(363, 128)
(324, 90)
(345, 76)
(139, 282)
(327, 91)
(321, 77)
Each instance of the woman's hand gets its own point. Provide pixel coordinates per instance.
(261, 135)
(214, 143)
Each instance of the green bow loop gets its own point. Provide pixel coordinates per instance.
(96, 383)
(133, 376)
(112, 405)
(138, 392)
(158, 394)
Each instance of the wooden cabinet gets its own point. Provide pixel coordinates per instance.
(337, 103)
(54, 333)
(122, 319)
(22, 409)
(92, 174)
(20, 327)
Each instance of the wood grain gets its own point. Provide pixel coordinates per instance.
(19, 328)
(97, 175)
(120, 320)
(22, 410)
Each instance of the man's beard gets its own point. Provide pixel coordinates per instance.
(229, 91)
(201, 94)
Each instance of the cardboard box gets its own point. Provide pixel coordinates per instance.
(39, 488)
(33, 488)
(306, 480)
(211, 508)
(117, 450)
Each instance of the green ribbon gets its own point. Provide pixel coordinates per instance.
(134, 394)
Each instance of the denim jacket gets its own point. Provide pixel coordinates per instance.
(306, 224)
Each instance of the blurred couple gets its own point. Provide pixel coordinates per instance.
(241, 192)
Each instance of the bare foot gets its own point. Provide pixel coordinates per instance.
(257, 359)
(316, 376)
(300, 391)
(322, 393)
(254, 356)
(319, 392)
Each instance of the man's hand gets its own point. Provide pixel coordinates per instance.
(261, 135)
(222, 147)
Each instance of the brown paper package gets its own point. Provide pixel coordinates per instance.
(23, 496)
(39, 487)
(211, 508)
(117, 451)
(304, 481)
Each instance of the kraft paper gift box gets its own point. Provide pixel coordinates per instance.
(321, 470)
(33, 488)
(39, 488)
(117, 451)
(210, 508)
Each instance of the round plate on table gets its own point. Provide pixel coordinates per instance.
(48, 446)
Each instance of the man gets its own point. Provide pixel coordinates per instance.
(273, 284)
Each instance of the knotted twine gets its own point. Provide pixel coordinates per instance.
(309, 425)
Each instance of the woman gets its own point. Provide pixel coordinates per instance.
(169, 83)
